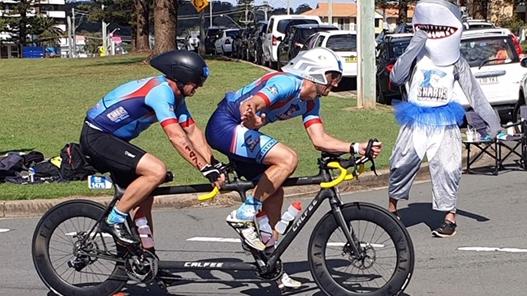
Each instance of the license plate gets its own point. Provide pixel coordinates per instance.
(488, 80)
(352, 59)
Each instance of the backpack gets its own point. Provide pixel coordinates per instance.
(74, 165)
(10, 164)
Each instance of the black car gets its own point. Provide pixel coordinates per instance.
(212, 34)
(254, 50)
(392, 46)
(295, 38)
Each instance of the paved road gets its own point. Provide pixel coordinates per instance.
(492, 215)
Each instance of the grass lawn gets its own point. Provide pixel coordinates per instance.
(45, 100)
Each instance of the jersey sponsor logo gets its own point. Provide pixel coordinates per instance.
(118, 114)
(251, 142)
(171, 107)
(127, 153)
(272, 89)
(428, 90)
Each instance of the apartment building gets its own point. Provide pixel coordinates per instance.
(55, 9)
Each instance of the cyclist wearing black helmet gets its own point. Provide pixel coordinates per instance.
(122, 114)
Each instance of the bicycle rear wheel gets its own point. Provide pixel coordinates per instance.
(69, 261)
(388, 255)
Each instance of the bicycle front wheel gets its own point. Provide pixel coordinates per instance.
(384, 265)
(69, 260)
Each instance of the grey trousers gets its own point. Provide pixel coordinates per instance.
(444, 163)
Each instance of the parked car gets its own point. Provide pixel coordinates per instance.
(182, 43)
(278, 25)
(343, 43)
(391, 47)
(295, 38)
(497, 67)
(212, 34)
(255, 43)
(223, 44)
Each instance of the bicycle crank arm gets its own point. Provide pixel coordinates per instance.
(207, 265)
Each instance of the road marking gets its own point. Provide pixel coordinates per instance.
(237, 240)
(213, 239)
(491, 249)
(4, 230)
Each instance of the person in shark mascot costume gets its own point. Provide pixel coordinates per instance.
(430, 115)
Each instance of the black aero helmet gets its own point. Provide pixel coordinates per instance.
(182, 66)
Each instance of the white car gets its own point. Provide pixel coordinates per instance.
(497, 67)
(223, 44)
(343, 43)
(276, 28)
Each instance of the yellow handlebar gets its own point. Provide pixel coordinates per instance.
(344, 175)
(210, 195)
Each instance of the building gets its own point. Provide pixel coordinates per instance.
(391, 17)
(344, 15)
(55, 9)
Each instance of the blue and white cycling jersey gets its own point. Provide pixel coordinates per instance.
(132, 107)
(281, 92)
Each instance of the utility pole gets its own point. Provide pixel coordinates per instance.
(210, 14)
(104, 32)
(330, 12)
(288, 6)
(365, 52)
(68, 21)
(73, 32)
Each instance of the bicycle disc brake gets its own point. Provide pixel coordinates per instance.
(366, 260)
(142, 268)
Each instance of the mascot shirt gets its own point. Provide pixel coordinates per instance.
(431, 85)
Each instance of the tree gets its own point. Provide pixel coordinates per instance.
(18, 23)
(302, 8)
(142, 24)
(46, 31)
(165, 25)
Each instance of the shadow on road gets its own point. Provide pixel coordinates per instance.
(417, 213)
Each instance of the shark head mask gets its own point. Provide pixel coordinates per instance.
(441, 20)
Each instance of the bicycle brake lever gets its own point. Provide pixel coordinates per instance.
(369, 154)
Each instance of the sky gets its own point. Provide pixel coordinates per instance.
(294, 3)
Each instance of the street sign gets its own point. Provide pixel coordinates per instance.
(200, 4)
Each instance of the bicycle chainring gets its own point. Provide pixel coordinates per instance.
(142, 268)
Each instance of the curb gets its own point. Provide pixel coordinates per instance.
(37, 207)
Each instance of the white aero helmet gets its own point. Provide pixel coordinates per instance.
(313, 64)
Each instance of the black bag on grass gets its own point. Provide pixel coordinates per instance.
(74, 165)
(10, 164)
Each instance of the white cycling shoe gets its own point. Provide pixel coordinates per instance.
(247, 229)
(287, 282)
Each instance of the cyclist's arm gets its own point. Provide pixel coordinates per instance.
(325, 142)
(197, 138)
(183, 145)
(249, 109)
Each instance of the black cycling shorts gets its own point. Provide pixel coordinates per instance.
(108, 153)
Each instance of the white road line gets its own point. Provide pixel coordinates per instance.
(237, 240)
(213, 239)
(491, 249)
(4, 230)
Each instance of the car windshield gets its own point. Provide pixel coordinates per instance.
(233, 34)
(284, 24)
(303, 34)
(346, 42)
(488, 51)
(398, 46)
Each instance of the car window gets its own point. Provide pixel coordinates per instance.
(346, 42)
(283, 25)
(270, 26)
(319, 42)
(488, 51)
(232, 34)
(397, 47)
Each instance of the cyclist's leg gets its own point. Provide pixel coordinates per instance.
(404, 165)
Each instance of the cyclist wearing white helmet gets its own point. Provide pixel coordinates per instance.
(233, 129)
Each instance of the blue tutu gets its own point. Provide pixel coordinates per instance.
(410, 114)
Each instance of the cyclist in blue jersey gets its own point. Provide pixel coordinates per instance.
(122, 114)
(233, 129)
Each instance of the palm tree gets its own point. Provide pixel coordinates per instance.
(46, 31)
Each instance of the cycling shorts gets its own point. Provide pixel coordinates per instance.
(246, 148)
(107, 153)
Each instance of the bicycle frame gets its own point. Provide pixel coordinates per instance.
(263, 263)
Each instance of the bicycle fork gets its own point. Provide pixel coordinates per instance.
(336, 208)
